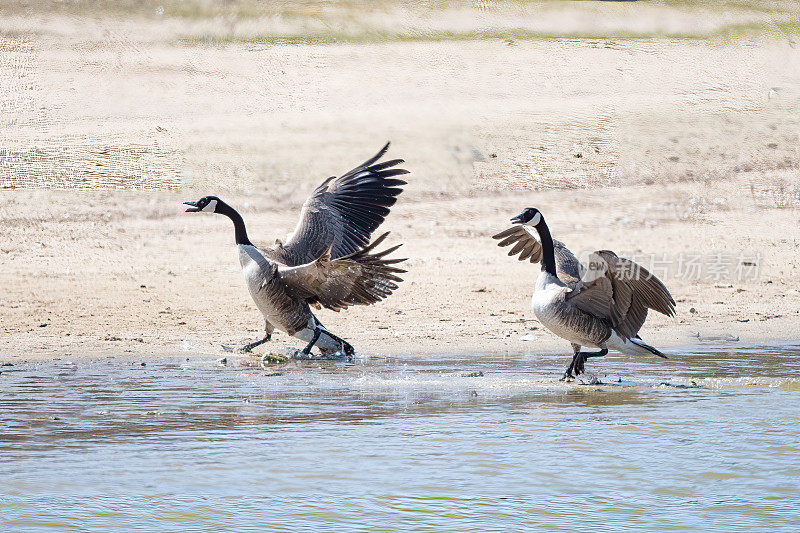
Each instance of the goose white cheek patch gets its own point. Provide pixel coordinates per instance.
(536, 219)
(212, 205)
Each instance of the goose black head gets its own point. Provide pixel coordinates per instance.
(206, 204)
(530, 217)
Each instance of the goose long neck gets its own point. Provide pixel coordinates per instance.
(238, 222)
(548, 252)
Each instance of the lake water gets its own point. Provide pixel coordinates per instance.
(706, 441)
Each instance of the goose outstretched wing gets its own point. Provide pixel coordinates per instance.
(527, 245)
(341, 214)
(361, 278)
(620, 291)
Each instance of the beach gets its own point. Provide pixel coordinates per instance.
(675, 145)
(665, 131)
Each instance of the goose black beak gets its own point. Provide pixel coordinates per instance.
(193, 209)
(518, 219)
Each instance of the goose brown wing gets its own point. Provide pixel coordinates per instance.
(361, 278)
(646, 292)
(527, 245)
(622, 293)
(342, 212)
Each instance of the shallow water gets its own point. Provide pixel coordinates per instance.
(706, 441)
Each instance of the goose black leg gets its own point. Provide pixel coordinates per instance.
(579, 362)
(307, 349)
(247, 348)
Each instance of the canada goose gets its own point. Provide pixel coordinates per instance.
(602, 307)
(327, 261)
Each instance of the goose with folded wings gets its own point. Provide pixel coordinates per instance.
(602, 306)
(328, 261)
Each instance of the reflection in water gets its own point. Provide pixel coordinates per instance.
(707, 440)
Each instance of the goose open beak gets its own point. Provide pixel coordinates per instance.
(518, 219)
(193, 209)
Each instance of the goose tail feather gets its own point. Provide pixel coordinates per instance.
(633, 346)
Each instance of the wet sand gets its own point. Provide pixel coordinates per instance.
(679, 148)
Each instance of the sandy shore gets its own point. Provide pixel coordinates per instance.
(149, 280)
(663, 150)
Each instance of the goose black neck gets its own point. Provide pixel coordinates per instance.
(548, 253)
(238, 222)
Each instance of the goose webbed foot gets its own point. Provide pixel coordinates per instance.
(247, 348)
(345, 348)
(578, 364)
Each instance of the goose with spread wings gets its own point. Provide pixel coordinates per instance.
(328, 261)
(602, 306)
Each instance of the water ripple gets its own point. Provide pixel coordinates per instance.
(704, 441)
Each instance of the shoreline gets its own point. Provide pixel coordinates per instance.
(671, 339)
(140, 287)
(143, 289)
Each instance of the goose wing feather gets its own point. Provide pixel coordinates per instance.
(341, 214)
(527, 245)
(361, 278)
(521, 238)
(622, 295)
(595, 298)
